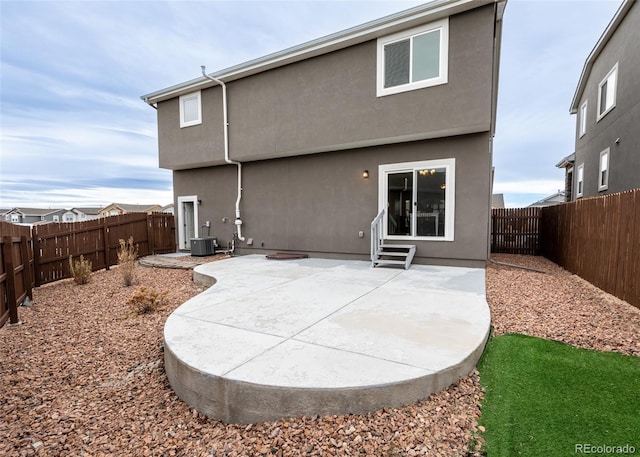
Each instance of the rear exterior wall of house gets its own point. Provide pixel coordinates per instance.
(318, 203)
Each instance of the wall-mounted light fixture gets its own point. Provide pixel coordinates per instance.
(365, 174)
(199, 202)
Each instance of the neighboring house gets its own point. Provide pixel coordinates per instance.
(497, 201)
(607, 105)
(394, 118)
(33, 215)
(115, 209)
(167, 209)
(81, 214)
(551, 200)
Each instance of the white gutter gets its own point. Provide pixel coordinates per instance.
(226, 149)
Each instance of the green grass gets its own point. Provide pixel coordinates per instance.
(543, 398)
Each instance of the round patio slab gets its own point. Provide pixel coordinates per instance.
(274, 339)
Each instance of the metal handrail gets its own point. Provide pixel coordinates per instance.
(377, 235)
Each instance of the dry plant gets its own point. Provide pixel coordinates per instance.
(127, 255)
(146, 300)
(80, 270)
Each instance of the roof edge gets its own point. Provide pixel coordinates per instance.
(339, 40)
(597, 49)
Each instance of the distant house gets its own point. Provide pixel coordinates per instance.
(167, 209)
(81, 214)
(115, 209)
(551, 200)
(497, 201)
(387, 122)
(33, 215)
(607, 105)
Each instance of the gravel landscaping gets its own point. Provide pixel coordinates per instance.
(84, 374)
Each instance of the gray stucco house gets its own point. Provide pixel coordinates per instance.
(607, 108)
(300, 150)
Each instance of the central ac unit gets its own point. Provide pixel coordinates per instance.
(201, 247)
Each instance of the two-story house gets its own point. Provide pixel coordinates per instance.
(33, 215)
(302, 149)
(607, 108)
(115, 209)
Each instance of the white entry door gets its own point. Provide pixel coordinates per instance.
(187, 221)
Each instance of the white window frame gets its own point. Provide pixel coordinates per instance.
(56, 218)
(580, 180)
(583, 119)
(604, 184)
(450, 192)
(15, 218)
(612, 88)
(184, 98)
(443, 26)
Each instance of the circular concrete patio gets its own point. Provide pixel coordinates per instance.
(274, 339)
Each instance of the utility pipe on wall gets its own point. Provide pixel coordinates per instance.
(226, 149)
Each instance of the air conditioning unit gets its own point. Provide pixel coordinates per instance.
(201, 247)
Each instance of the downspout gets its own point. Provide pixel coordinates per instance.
(226, 149)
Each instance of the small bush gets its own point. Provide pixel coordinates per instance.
(127, 255)
(146, 300)
(80, 270)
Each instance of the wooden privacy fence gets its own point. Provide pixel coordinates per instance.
(16, 270)
(34, 256)
(516, 231)
(599, 240)
(98, 242)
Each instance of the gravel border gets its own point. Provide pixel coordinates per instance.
(84, 374)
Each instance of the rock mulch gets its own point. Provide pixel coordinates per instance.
(84, 375)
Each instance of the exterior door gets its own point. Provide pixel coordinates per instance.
(187, 217)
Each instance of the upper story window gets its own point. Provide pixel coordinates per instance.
(603, 176)
(15, 218)
(413, 59)
(583, 119)
(580, 181)
(190, 109)
(607, 92)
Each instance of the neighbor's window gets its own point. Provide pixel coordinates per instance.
(15, 218)
(190, 109)
(419, 198)
(583, 119)
(603, 177)
(413, 59)
(607, 92)
(580, 180)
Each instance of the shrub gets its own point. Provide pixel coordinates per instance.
(80, 270)
(127, 255)
(147, 300)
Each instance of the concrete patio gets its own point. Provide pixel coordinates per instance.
(273, 339)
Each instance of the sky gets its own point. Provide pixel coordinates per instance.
(75, 133)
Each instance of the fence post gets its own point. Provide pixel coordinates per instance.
(150, 227)
(26, 272)
(12, 301)
(105, 238)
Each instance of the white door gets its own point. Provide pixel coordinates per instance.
(187, 221)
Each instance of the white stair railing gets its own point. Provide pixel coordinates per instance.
(377, 236)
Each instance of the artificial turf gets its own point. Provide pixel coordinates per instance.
(545, 398)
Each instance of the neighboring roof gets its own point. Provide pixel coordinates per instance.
(555, 199)
(567, 161)
(131, 208)
(359, 34)
(497, 201)
(88, 211)
(600, 45)
(34, 211)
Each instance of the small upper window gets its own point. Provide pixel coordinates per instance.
(603, 177)
(583, 119)
(580, 181)
(607, 92)
(15, 218)
(413, 59)
(190, 110)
